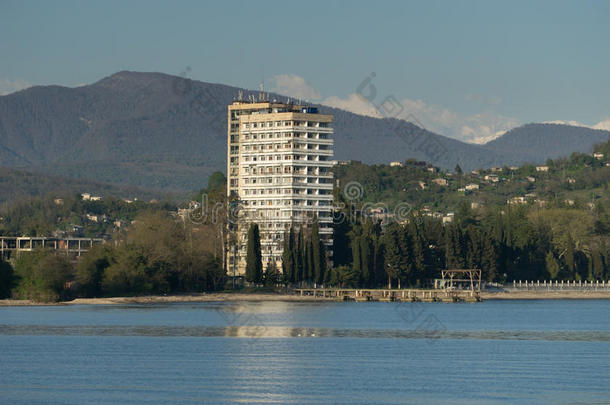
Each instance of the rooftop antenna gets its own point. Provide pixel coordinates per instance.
(261, 94)
(240, 95)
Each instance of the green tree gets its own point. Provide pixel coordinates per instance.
(552, 266)
(394, 259)
(597, 265)
(254, 265)
(489, 259)
(90, 271)
(569, 257)
(366, 261)
(272, 275)
(43, 276)
(127, 274)
(288, 261)
(7, 279)
(357, 260)
(318, 254)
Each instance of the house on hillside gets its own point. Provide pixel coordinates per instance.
(471, 187)
(542, 168)
(96, 218)
(517, 200)
(492, 178)
(598, 155)
(395, 164)
(89, 197)
(440, 181)
(448, 218)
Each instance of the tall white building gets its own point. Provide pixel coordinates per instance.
(279, 172)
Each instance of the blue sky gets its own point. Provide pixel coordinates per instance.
(468, 69)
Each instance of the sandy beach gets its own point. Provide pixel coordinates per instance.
(256, 297)
(156, 299)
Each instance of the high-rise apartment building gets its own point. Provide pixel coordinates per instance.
(279, 162)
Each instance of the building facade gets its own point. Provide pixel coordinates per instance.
(279, 163)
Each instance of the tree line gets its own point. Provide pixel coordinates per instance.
(157, 255)
(507, 243)
(304, 258)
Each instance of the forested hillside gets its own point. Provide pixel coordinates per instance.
(166, 132)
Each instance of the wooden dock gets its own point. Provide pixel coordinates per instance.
(390, 295)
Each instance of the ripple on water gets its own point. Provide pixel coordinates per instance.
(282, 332)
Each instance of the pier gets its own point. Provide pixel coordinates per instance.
(455, 285)
(390, 295)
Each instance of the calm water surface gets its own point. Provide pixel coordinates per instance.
(301, 353)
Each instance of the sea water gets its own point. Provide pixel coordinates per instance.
(539, 351)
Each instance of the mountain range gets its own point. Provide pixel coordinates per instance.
(168, 133)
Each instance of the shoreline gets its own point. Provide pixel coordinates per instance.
(279, 297)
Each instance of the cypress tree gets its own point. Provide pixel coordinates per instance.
(317, 253)
(365, 259)
(473, 252)
(569, 257)
(357, 262)
(489, 259)
(298, 256)
(393, 256)
(324, 270)
(418, 267)
(287, 257)
(307, 259)
(254, 264)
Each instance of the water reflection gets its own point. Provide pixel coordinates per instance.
(283, 332)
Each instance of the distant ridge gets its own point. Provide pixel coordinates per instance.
(538, 142)
(165, 132)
